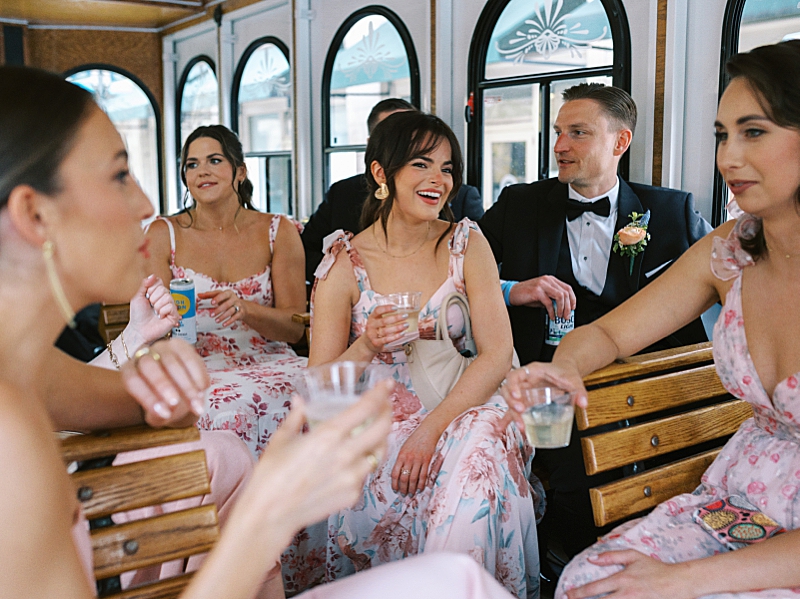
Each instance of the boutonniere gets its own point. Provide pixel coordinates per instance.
(631, 239)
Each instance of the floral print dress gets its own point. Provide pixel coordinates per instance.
(478, 500)
(251, 376)
(761, 462)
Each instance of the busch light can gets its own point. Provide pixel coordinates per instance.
(183, 293)
(558, 327)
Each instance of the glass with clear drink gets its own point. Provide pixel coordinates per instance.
(548, 418)
(332, 388)
(406, 302)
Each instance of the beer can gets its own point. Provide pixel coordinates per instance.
(183, 293)
(558, 327)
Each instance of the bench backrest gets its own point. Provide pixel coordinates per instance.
(661, 418)
(103, 490)
(113, 318)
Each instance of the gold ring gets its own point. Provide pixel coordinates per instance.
(145, 351)
(373, 461)
(236, 309)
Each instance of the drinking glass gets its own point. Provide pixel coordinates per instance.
(548, 418)
(332, 388)
(405, 302)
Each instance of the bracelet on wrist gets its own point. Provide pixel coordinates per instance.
(111, 354)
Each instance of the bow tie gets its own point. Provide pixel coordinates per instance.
(601, 207)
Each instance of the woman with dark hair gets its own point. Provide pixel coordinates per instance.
(448, 482)
(753, 265)
(247, 269)
(70, 235)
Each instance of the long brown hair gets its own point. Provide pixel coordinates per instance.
(395, 141)
(773, 74)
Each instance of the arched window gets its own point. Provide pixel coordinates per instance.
(132, 109)
(524, 54)
(264, 119)
(198, 97)
(370, 59)
(747, 25)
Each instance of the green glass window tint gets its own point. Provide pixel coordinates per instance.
(132, 113)
(534, 37)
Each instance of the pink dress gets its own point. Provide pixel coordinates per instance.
(478, 501)
(761, 462)
(251, 376)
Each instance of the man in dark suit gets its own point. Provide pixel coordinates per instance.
(341, 207)
(553, 240)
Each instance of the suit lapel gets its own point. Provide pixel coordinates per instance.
(628, 203)
(551, 228)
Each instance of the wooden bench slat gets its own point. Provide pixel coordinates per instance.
(171, 588)
(161, 539)
(625, 497)
(617, 448)
(645, 364)
(115, 313)
(105, 443)
(628, 400)
(120, 488)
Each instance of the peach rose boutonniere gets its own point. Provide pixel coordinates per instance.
(631, 239)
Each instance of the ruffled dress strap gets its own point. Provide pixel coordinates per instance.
(273, 228)
(331, 246)
(458, 248)
(728, 258)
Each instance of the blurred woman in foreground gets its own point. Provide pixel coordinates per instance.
(69, 236)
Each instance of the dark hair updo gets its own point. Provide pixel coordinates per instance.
(773, 74)
(40, 114)
(394, 142)
(232, 150)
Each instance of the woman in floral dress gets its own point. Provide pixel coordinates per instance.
(243, 319)
(753, 266)
(448, 482)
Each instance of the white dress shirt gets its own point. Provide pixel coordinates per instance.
(590, 238)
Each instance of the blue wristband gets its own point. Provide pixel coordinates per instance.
(506, 287)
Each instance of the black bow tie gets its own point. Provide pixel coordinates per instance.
(601, 207)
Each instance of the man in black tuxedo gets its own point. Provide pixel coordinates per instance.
(553, 240)
(341, 207)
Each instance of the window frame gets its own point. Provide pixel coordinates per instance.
(478, 84)
(179, 95)
(236, 86)
(327, 75)
(153, 104)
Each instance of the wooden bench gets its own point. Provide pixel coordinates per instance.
(103, 490)
(661, 419)
(113, 319)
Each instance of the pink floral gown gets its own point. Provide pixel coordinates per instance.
(761, 462)
(251, 376)
(478, 501)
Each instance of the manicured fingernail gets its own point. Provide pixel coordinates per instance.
(172, 400)
(160, 409)
(198, 406)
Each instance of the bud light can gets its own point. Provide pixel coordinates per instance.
(558, 327)
(183, 293)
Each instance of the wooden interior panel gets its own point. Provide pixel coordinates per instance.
(628, 400)
(105, 443)
(106, 491)
(644, 364)
(617, 448)
(170, 588)
(115, 313)
(172, 536)
(634, 494)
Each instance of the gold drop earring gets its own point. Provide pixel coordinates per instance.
(382, 192)
(48, 250)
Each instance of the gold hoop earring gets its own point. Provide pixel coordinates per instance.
(48, 250)
(382, 192)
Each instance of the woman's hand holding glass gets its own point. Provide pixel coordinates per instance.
(153, 313)
(538, 374)
(169, 380)
(228, 307)
(384, 326)
(313, 475)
